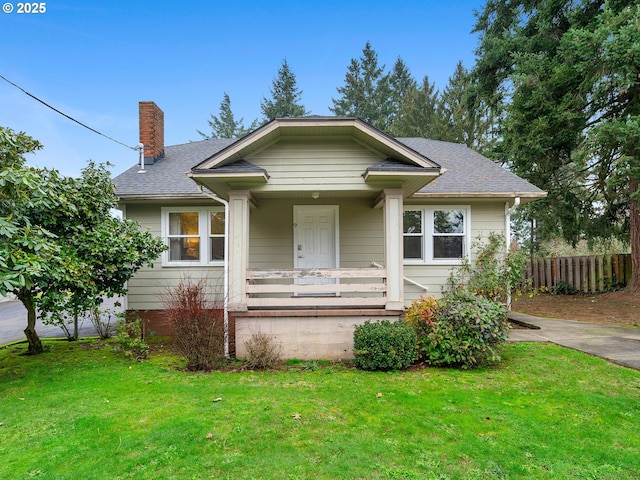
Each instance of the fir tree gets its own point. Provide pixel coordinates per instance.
(285, 96)
(461, 116)
(366, 91)
(226, 126)
(417, 111)
(402, 87)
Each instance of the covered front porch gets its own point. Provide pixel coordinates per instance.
(306, 271)
(288, 254)
(314, 210)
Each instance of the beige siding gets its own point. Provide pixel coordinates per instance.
(148, 287)
(271, 245)
(271, 233)
(486, 217)
(335, 164)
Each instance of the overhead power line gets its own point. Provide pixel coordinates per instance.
(65, 115)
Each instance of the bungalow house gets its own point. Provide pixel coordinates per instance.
(310, 225)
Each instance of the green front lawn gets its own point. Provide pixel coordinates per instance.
(81, 411)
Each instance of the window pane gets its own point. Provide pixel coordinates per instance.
(183, 223)
(217, 223)
(412, 247)
(448, 221)
(184, 249)
(217, 248)
(447, 247)
(412, 221)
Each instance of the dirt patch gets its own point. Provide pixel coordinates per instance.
(617, 308)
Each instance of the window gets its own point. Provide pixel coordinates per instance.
(195, 236)
(436, 234)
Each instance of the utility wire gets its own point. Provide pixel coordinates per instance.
(65, 115)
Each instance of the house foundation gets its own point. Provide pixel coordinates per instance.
(306, 334)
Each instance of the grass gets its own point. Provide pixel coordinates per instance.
(82, 411)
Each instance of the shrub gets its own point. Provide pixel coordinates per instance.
(466, 331)
(197, 324)
(421, 315)
(129, 336)
(563, 288)
(495, 274)
(263, 352)
(384, 345)
(102, 320)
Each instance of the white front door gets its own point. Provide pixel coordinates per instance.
(315, 238)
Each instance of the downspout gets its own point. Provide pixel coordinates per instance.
(225, 273)
(507, 235)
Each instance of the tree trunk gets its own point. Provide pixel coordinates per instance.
(633, 286)
(35, 345)
(75, 325)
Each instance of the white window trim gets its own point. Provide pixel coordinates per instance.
(204, 233)
(427, 235)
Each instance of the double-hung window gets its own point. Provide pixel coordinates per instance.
(436, 234)
(194, 235)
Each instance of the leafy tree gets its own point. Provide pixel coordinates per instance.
(567, 78)
(57, 236)
(226, 126)
(366, 91)
(285, 96)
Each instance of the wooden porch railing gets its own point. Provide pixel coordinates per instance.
(338, 287)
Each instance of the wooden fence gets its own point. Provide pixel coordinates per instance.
(589, 274)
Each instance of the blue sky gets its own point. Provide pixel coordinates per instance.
(95, 60)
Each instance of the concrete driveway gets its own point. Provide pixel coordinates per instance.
(13, 320)
(620, 345)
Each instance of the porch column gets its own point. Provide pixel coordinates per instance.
(393, 248)
(238, 249)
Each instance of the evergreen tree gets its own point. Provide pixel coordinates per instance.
(417, 111)
(462, 117)
(226, 126)
(401, 87)
(285, 96)
(366, 91)
(567, 77)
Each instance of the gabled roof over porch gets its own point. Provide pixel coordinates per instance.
(328, 156)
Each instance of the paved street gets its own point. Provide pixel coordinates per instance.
(13, 320)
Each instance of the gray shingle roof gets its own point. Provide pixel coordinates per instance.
(166, 177)
(467, 172)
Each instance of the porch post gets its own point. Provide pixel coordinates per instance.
(238, 249)
(393, 248)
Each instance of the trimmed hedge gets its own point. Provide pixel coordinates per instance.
(384, 345)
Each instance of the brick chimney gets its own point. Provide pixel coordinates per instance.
(151, 131)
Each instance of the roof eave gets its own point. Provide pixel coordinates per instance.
(257, 177)
(278, 126)
(137, 196)
(526, 197)
(370, 174)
